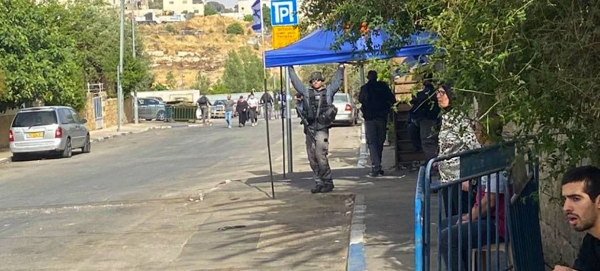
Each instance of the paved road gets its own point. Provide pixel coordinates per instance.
(151, 165)
(133, 204)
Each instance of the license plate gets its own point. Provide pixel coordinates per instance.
(35, 135)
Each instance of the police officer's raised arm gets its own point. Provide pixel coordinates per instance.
(336, 82)
(296, 82)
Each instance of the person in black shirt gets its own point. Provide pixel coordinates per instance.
(376, 100)
(581, 190)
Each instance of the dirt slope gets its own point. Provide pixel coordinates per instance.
(203, 47)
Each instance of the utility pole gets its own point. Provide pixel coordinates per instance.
(120, 69)
(135, 101)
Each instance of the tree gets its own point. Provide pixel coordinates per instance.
(219, 88)
(248, 18)
(218, 7)
(201, 83)
(155, 4)
(266, 15)
(209, 10)
(233, 77)
(235, 29)
(38, 66)
(243, 71)
(253, 69)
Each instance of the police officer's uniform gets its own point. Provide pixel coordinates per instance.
(317, 112)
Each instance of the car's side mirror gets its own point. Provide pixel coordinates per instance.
(83, 121)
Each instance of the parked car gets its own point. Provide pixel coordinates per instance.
(218, 109)
(48, 129)
(347, 111)
(149, 109)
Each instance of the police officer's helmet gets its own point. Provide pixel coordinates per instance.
(316, 76)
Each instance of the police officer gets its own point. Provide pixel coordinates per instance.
(317, 113)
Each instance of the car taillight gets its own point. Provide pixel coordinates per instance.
(348, 108)
(11, 137)
(58, 133)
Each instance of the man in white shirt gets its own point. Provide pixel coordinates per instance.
(253, 104)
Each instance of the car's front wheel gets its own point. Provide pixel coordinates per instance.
(87, 146)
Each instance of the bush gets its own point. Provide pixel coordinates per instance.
(248, 18)
(235, 28)
(171, 29)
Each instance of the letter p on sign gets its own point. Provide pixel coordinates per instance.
(284, 12)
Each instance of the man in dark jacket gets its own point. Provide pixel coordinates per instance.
(424, 119)
(376, 99)
(204, 104)
(266, 100)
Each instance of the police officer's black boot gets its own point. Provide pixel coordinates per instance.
(327, 187)
(317, 189)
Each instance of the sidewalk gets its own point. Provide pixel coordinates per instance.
(111, 132)
(386, 211)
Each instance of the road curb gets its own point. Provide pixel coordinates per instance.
(356, 260)
(5, 160)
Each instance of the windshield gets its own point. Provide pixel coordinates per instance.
(34, 118)
(219, 102)
(340, 98)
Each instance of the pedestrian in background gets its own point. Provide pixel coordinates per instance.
(242, 109)
(425, 119)
(229, 103)
(204, 104)
(266, 100)
(376, 100)
(253, 104)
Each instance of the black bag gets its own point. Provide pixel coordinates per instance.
(202, 100)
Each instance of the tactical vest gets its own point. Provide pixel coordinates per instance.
(318, 112)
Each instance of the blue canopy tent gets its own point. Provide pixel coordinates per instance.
(315, 48)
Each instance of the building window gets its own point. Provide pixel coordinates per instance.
(196, 11)
(184, 2)
(171, 2)
(197, 2)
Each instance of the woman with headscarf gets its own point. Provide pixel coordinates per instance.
(242, 109)
(456, 135)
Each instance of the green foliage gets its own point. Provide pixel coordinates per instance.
(159, 87)
(243, 71)
(49, 52)
(155, 4)
(201, 83)
(248, 18)
(530, 64)
(219, 88)
(209, 10)
(171, 82)
(218, 7)
(266, 15)
(235, 29)
(170, 28)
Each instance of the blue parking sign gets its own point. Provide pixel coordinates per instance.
(284, 12)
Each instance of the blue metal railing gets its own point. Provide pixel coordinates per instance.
(505, 235)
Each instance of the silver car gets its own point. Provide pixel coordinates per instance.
(150, 108)
(48, 129)
(347, 111)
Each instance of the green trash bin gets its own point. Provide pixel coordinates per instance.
(168, 113)
(184, 113)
